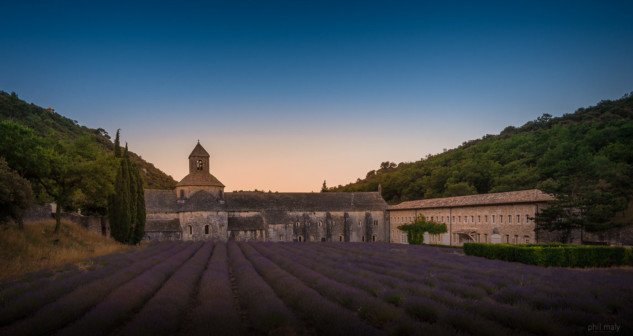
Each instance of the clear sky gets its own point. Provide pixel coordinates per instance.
(286, 94)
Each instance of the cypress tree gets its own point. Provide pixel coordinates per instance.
(120, 209)
(139, 228)
(126, 207)
(117, 145)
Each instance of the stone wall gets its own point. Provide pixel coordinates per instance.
(355, 226)
(510, 223)
(204, 225)
(162, 236)
(97, 224)
(39, 212)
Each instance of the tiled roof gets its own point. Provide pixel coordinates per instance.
(202, 201)
(165, 201)
(198, 151)
(160, 200)
(200, 178)
(511, 197)
(329, 201)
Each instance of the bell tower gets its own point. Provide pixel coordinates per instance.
(199, 160)
(199, 177)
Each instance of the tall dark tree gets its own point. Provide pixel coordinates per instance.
(117, 145)
(139, 223)
(126, 206)
(119, 205)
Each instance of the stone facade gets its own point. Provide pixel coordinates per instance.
(489, 218)
(199, 209)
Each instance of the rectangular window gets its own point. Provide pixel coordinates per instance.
(507, 239)
(479, 218)
(518, 219)
(472, 219)
(493, 219)
(516, 239)
(527, 219)
(459, 219)
(375, 223)
(509, 219)
(486, 217)
(500, 219)
(485, 237)
(527, 239)
(453, 219)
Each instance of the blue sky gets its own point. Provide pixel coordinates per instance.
(286, 94)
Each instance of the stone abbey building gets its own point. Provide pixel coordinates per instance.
(505, 217)
(199, 209)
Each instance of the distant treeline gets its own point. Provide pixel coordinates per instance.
(46, 122)
(63, 162)
(582, 155)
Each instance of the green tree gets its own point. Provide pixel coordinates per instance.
(65, 168)
(21, 147)
(415, 231)
(15, 194)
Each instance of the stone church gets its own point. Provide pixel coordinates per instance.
(199, 209)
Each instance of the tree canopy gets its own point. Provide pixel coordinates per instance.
(15, 194)
(584, 158)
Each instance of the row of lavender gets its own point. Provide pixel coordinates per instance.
(297, 288)
(446, 292)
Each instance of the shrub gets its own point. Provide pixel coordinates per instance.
(552, 254)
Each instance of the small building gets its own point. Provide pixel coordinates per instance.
(199, 209)
(505, 217)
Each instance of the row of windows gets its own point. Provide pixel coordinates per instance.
(360, 223)
(470, 219)
(340, 238)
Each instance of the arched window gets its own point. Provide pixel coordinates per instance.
(190, 230)
(373, 238)
(199, 165)
(300, 238)
(340, 238)
(206, 229)
(363, 237)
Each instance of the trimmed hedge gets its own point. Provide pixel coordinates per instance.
(554, 254)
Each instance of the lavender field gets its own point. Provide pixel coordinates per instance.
(314, 289)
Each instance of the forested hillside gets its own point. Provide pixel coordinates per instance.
(45, 122)
(586, 152)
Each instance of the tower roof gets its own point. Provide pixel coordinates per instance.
(200, 179)
(198, 151)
